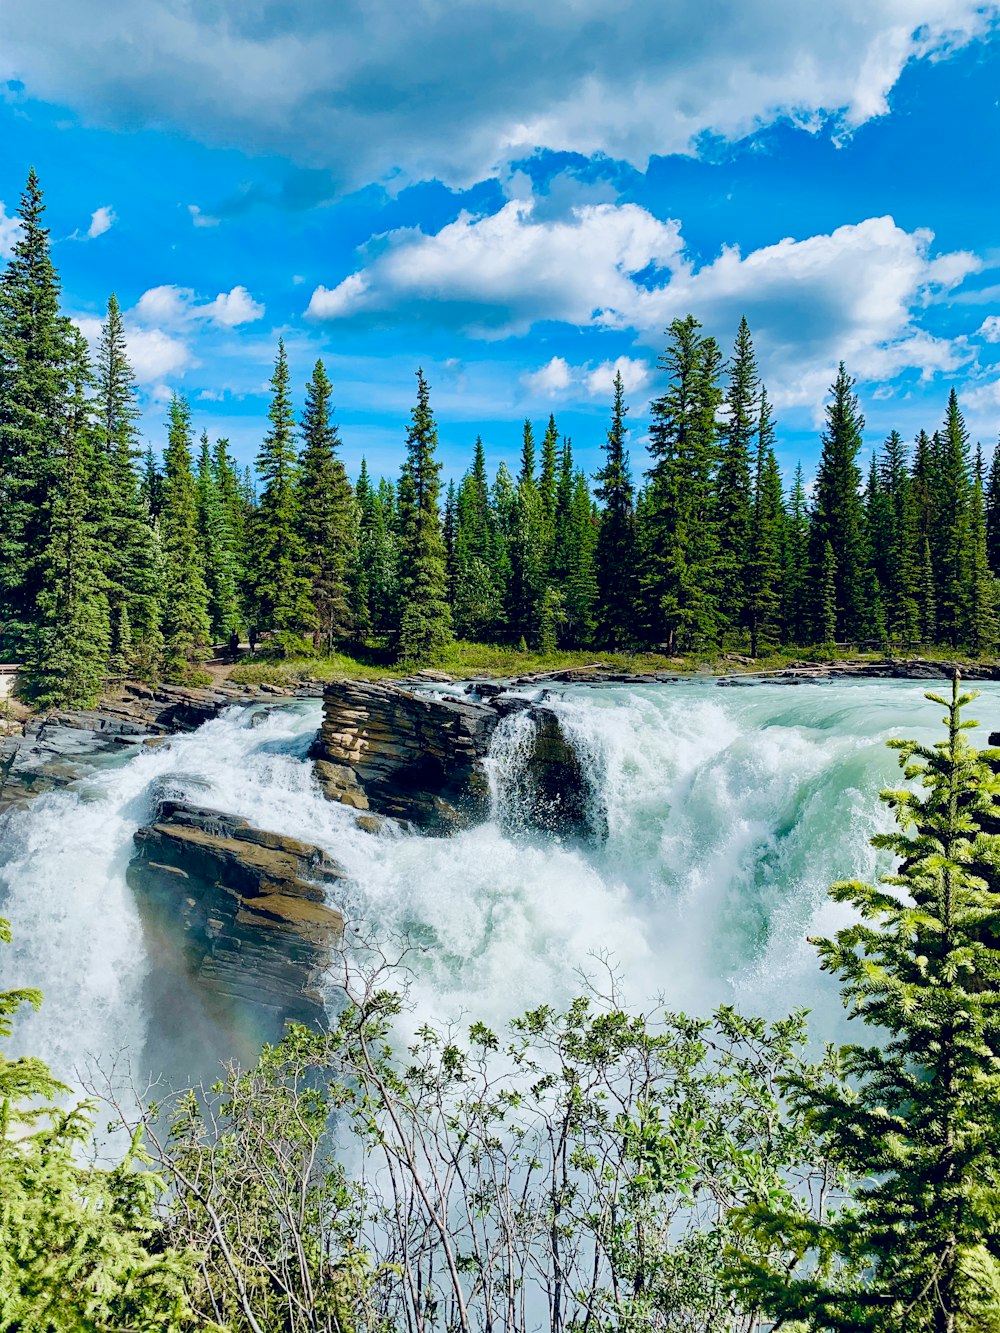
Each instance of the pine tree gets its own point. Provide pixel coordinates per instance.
(993, 511)
(530, 548)
(838, 518)
(763, 572)
(328, 515)
(828, 597)
(734, 492)
(616, 536)
(900, 540)
(425, 622)
(35, 354)
(218, 549)
(954, 544)
(796, 601)
(980, 629)
(186, 625)
(281, 587)
(914, 1114)
(69, 642)
(131, 550)
(680, 581)
(151, 484)
(575, 574)
(478, 597)
(548, 478)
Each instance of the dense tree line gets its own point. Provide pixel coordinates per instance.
(113, 564)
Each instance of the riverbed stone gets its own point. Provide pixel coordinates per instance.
(235, 915)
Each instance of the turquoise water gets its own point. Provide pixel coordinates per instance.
(729, 812)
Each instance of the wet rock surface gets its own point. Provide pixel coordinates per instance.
(236, 919)
(421, 757)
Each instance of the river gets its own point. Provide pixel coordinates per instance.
(729, 811)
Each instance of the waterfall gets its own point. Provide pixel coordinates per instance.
(728, 813)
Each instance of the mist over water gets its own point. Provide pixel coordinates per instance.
(729, 811)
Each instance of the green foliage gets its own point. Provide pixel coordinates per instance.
(281, 605)
(81, 1250)
(913, 1117)
(69, 643)
(218, 545)
(838, 518)
(616, 550)
(186, 625)
(327, 515)
(425, 625)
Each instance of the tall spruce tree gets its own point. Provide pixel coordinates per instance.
(900, 572)
(132, 557)
(992, 500)
(680, 581)
(796, 600)
(980, 630)
(218, 549)
(35, 354)
(186, 624)
(281, 589)
(425, 621)
(953, 526)
(734, 489)
(530, 548)
(327, 514)
(478, 594)
(69, 641)
(915, 1112)
(765, 545)
(838, 516)
(616, 536)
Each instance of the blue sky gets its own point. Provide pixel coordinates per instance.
(519, 198)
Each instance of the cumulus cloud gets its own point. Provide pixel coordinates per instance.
(507, 271)
(990, 329)
(855, 293)
(153, 353)
(557, 378)
(101, 220)
(9, 228)
(175, 307)
(365, 90)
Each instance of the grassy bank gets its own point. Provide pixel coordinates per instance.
(480, 659)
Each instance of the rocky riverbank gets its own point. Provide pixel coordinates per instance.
(238, 928)
(421, 757)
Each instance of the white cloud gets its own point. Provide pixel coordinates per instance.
(177, 307)
(507, 270)
(101, 220)
(557, 378)
(153, 353)
(201, 219)
(990, 329)
(429, 91)
(9, 229)
(230, 309)
(636, 376)
(857, 292)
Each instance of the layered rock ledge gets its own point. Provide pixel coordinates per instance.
(235, 917)
(421, 757)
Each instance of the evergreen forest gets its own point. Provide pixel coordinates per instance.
(117, 560)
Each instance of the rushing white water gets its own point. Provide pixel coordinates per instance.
(729, 812)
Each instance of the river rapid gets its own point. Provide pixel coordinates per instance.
(729, 811)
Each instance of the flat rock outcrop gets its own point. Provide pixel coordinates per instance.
(421, 757)
(236, 916)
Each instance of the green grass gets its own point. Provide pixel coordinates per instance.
(464, 660)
